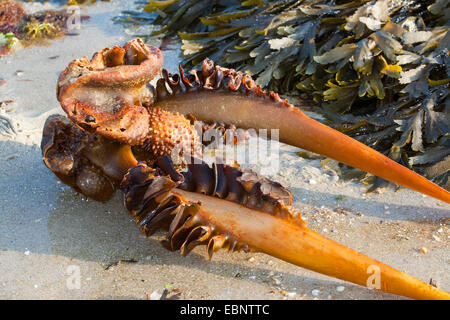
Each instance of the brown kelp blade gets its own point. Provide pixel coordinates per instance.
(252, 213)
(227, 96)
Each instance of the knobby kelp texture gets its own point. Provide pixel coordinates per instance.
(377, 69)
(225, 207)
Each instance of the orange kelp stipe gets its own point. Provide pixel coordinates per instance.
(216, 94)
(225, 207)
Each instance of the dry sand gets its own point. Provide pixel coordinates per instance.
(45, 227)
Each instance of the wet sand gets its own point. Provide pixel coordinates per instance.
(47, 230)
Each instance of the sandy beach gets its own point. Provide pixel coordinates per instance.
(47, 230)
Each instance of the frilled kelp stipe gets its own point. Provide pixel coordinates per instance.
(378, 70)
(225, 207)
(148, 200)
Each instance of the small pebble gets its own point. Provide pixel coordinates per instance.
(312, 181)
(424, 250)
(27, 253)
(340, 288)
(252, 259)
(436, 238)
(291, 294)
(315, 292)
(276, 281)
(334, 179)
(155, 295)
(440, 230)
(433, 282)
